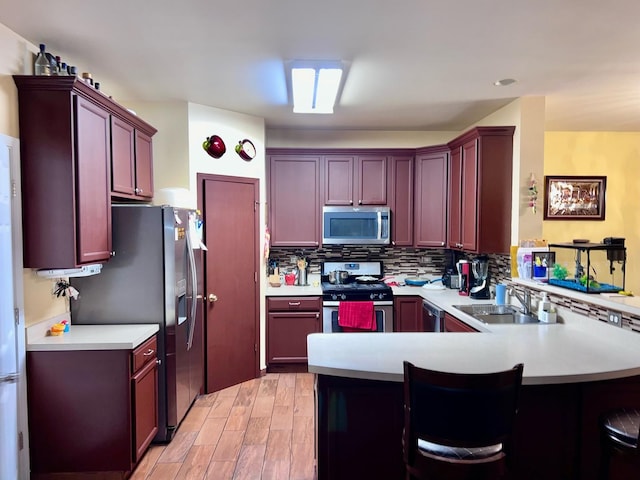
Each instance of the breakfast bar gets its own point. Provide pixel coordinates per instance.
(573, 371)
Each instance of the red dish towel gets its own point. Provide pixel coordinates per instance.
(356, 316)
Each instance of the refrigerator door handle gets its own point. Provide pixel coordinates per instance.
(194, 291)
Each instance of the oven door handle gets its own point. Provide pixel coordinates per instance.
(336, 303)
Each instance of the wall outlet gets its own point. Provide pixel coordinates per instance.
(614, 318)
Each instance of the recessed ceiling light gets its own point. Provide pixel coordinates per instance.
(504, 82)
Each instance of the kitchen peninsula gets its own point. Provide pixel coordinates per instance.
(574, 370)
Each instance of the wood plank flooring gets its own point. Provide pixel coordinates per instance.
(260, 429)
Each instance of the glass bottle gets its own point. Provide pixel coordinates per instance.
(58, 61)
(41, 65)
(62, 70)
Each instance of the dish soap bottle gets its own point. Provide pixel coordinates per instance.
(543, 305)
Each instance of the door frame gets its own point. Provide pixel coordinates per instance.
(200, 179)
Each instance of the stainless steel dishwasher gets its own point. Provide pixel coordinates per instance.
(432, 317)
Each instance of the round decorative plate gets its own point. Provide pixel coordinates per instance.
(246, 149)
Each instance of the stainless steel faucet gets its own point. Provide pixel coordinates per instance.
(525, 299)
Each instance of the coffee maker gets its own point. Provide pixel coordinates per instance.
(479, 282)
(464, 276)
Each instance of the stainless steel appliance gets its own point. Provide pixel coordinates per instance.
(432, 317)
(363, 283)
(356, 225)
(154, 277)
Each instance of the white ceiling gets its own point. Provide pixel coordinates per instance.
(414, 64)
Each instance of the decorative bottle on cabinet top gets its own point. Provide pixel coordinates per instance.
(41, 65)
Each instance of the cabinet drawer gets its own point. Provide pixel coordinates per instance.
(286, 304)
(145, 353)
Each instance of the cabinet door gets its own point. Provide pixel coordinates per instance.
(371, 180)
(455, 199)
(431, 200)
(452, 324)
(287, 335)
(93, 196)
(338, 180)
(400, 184)
(144, 165)
(294, 200)
(408, 314)
(145, 408)
(469, 212)
(123, 175)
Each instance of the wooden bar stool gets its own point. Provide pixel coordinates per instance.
(619, 430)
(458, 426)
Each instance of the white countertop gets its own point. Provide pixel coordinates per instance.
(93, 337)
(577, 349)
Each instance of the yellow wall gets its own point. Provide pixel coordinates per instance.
(617, 156)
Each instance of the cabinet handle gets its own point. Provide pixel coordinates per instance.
(149, 352)
(442, 244)
(294, 304)
(350, 202)
(113, 253)
(359, 202)
(158, 362)
(140, 191)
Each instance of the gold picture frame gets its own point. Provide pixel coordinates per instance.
(574, 198)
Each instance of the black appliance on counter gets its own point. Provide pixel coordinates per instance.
(154, 277)
(362, 282)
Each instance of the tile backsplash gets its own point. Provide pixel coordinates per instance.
(396, 260)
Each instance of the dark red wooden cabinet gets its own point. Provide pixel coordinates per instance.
(480, 190)
(400, 196)
(91, 411)
(452, 324)
(430, 226)
(131, 161)
(69, 132)
(289, 321)
(355, 179)
(294, 200)
(407, 314)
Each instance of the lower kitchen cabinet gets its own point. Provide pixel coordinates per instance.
(289, 321)
(452, 324)
(91, 412)
(407, 314)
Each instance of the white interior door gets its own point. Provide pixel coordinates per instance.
(12, 388)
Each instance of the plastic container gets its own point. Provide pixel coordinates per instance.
(544, 306)
(501, 294)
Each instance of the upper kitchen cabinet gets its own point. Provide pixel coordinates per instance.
(131, 160)
(400, 185)
(294, 199)
(430, 226)
(355, 179)
(66, 154)
(480, 190)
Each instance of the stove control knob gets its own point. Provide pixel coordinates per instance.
(334, 297)
(343, 297)
(372, 296)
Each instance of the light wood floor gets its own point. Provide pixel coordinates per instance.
(260, 429)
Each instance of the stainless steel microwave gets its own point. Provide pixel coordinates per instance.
(356, 225)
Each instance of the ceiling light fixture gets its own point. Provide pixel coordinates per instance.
(314, 85)
(504, 82)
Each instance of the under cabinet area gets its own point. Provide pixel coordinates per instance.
(289, 321)
(69, 134)
(91, 412)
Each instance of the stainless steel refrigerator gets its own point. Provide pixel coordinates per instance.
(155, 276)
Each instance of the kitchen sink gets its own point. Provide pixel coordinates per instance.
(503, 314)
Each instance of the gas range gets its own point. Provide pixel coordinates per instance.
(353, 289)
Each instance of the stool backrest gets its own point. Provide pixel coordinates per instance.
(460, 410)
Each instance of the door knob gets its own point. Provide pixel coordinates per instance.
(213, 298)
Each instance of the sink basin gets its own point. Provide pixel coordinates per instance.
(503, 314)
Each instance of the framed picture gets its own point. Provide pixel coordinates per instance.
(574, 198)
